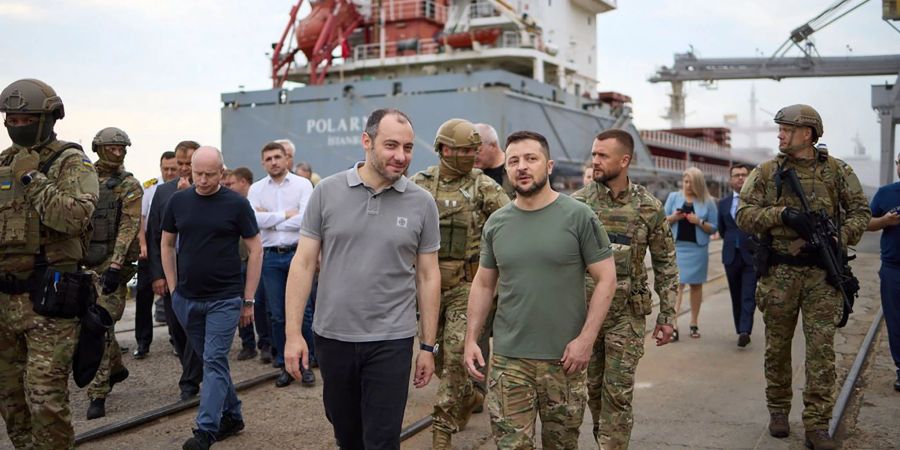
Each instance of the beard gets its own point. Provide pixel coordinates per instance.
(606, 176)
(536, 185)
(381, 168)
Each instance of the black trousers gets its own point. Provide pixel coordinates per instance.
(191, 361)
(742, 286)
(365, 390)
(143, 308)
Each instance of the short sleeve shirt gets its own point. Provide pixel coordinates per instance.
(887, 198)
(541, 257)
(370, 242)
(208, 229)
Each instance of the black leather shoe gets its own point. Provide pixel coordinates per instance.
(247, 353)
(187, 395)
(97, 409)
(229, 426)
(141, 352)
(308, 378)
(285, 379)
(897, 383)
(743, 340)
(200, 441)
(265, 355)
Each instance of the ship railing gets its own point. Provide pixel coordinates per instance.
(482, 9)
(399, 10)
(665, 138)
(711, 171)
(672, 164)
(396, 48)
(514, 39)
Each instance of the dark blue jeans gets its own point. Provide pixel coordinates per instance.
(365, 390)
(260, 322)
(890, 304)
(210, 327)
(274, 275)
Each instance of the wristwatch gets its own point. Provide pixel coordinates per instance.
(429, 348)
(248, 302)
(28, 177)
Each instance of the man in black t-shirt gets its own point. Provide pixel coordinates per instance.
(201, 229)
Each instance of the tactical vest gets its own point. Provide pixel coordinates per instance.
(628, 233)
(459, 204)
(105, 221)
(22, 235)
(821, 181)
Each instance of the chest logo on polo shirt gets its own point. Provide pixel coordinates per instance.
(402, 221)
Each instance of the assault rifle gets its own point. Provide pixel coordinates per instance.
(825, 240)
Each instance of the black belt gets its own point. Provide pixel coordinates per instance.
(802, 260)
(281, 249)
(11, 285)
(621, 239)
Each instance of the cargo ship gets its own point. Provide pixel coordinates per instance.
(513, 64)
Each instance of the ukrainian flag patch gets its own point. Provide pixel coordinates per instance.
(5, 185)
(130, 196)
(87, 162)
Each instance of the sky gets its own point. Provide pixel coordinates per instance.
(156, 68)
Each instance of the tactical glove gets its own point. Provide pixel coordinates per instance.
(110, 280)
(799, 221)
(25, 161)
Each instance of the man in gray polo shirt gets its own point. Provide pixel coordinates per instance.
(378, 236)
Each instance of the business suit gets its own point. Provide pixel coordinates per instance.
(191, 364)
(738, 266)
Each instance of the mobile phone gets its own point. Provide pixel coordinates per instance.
(894, 210)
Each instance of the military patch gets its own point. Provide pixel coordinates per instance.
(6, 185)
(150, 182)
(87, 162)
(130, 196)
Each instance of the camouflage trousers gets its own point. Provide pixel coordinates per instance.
(111, 362)
(521, 389)
(781, 296)
(35, 362)
(456, 388)
(610, 377)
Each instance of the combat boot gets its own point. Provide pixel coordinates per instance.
(97, 409)
(440, 440)
(475, 400)
(778, 425)
(819, 440)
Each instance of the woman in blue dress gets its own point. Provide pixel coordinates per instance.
(692, 214)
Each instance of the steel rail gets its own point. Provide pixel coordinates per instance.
(843, 400)
(164, 411)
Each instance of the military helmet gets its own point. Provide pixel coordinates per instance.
(30, 96)
(801, 116)
(457, 133)
(110, 136)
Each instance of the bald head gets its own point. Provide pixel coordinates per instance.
(207, 166)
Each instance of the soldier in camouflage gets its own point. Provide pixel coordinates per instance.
(465, 198)
(635, 222)
(48, 191)
(794, 283)
(113, 252)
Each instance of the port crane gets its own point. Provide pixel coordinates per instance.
(688, 67)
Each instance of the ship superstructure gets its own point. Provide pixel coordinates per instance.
(514, 64)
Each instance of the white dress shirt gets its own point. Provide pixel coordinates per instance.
(147, 200)
(734, 204)
(293, 193)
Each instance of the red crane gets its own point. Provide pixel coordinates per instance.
(325, 28)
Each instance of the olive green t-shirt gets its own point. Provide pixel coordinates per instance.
(541, 257)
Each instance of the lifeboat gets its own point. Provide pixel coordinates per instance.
(485, 36)
(311, 27)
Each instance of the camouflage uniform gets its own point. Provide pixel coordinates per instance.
(523, 388)
(116, 240)
(634, 221)
(464, 204)
(52, 211)
(788, 290)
